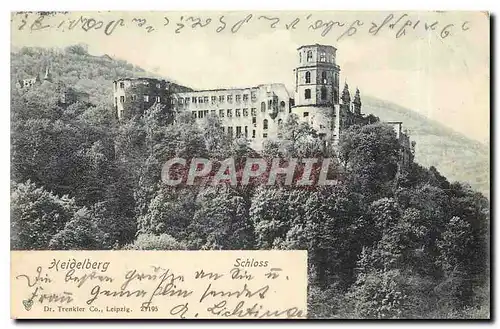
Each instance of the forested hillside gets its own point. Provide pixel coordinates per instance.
(74, 66)
(384, 243)
(456, 156)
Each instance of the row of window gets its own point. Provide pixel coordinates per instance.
(324, 77)
(214, 99)
(241, 133)
(145, 98)
(323, 57)
(324, 93)
(273, 104)
(223, 113)
(122, 85)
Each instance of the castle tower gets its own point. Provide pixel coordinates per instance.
(317, 88)
(357, 103)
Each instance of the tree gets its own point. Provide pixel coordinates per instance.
(37, 215)
(81, 233)
(221, 221)
(370, 155)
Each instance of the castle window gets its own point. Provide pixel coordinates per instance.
(229, 113)
(322, 57)
(246, 131)
(186, 100)
(254, 96)
(200, 100)
(245, 112)
(122, 85)
(229, 98)
(146, 98)
(214, 99)
(265, 124)
(134, 98)
(309, 55)
(158, 99)
(122, 99)
(238, 131)
(336, 96)
(238, 98)
(264, 135)
(323, 93)
(253, 111)
(212, 112)
(307, 94)
(221, 99)
(282, 106)
(323, 77)
(300, 57)
(308, 77)
(245, 97)
(306, 114)
(115, 85)
(205, 99)
(194, 114)
(263, 107)
(238, 112)
(193, 100)
(221, 113)
(280, 122)
(116, 101)
(230, 131)
(253, 133)
(200, 114)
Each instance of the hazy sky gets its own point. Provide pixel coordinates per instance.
(445, 79)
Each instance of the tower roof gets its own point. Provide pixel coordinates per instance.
(316, 45)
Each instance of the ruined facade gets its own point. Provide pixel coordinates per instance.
(258, 112)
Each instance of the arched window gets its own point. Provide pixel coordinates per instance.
(308, 77)
(265, 124)
(309, 55)
(263, 107)
(280, 122)
(282, 106)
(323, 77)
(323, 93)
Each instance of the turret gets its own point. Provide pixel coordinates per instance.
(346, 96)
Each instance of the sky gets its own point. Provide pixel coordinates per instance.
(444, 78)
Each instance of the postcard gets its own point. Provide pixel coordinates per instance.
(250, 165)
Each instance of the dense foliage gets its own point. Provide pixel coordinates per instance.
(388, 242)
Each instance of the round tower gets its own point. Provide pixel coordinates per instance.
(317, 87)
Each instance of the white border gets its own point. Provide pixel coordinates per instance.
(89, 5)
